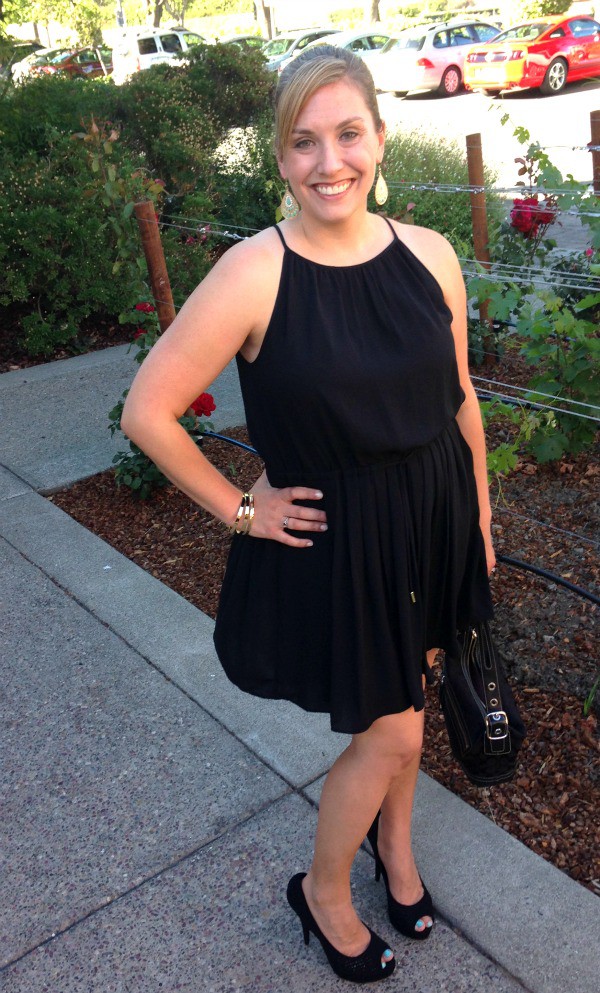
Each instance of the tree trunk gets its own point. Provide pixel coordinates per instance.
(154, 12)
(264, 17)
(372, 15)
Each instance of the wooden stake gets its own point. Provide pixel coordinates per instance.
(595, 131)
(155, 260)
(480, 228)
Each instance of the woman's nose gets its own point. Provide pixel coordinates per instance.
(329, 158)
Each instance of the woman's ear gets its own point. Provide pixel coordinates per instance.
(280, 166)
(381, 140)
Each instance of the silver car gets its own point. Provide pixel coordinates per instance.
(429, 57)
(281, 50)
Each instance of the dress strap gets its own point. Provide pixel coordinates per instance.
(391, 227)
(278, 229)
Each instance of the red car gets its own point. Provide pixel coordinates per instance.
(83, 63)
(548, 53)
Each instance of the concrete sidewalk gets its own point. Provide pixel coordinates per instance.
(152, 813)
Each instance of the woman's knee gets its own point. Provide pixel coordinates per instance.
(397, 738)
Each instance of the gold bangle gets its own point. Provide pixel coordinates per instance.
(244, 516)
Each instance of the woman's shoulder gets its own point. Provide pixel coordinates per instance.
(432, 249)
(254, 253)
(425, 239)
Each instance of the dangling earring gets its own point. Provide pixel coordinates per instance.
(289, 206)
(381, 189)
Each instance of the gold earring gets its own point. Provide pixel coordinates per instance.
(381, 189)
(289, 206)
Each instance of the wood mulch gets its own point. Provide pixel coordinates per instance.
(548, 634)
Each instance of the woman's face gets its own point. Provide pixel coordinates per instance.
(332, 153)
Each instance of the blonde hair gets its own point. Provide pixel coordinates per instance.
(306, 74)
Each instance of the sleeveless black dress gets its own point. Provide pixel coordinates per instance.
(355, 392)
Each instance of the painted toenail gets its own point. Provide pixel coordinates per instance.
(429, 923)
(420, 923)
(388, 954)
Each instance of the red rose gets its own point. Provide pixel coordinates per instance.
(146, 308)
(203, 405)
(138, 334)
(524, 216)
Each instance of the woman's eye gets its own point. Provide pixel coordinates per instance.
(303, 143)
(349, 135)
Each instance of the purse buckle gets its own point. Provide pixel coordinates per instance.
(496, 723)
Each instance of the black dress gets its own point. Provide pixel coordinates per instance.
(355, 392)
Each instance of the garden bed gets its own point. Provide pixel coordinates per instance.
(547, 634)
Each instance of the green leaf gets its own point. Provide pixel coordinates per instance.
(548, 448)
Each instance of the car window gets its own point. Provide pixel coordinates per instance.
(408, 41)
(359, 45)
(86, 56)
(583, 28)
(485, 32)
(378, 40)
(523, 32)
(171, 43)
(558, 33)
(440, 39)
(192, 39)
(278, 46)
(147, 46)
(62, 57)
(459, 36)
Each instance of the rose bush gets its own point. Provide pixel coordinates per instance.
(133, 468)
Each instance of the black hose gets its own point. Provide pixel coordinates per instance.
(526, 567)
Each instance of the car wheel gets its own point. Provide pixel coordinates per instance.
(450, 83)
(400, 93)
(555, 78)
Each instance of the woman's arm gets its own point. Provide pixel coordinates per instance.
(228, 311)
(437, 254)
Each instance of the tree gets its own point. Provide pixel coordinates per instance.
(83, 16)
(372, 15)
(264, 17)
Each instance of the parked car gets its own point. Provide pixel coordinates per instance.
(82, 63)
(14, 52)
(134, 52)
(359, 42)
(247, 42)
(26, 67)
(279, 51)
(430, 57)
(546, 53)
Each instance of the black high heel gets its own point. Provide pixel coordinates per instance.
(404, 917)
(364, 968)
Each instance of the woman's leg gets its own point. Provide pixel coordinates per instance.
(382, 760)
(394, 834)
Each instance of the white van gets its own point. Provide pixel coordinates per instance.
(145, 48)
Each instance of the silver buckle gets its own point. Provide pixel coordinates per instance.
(496, 723)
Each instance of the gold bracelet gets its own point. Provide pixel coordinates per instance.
(244, 516)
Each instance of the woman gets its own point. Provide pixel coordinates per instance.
(366, 542)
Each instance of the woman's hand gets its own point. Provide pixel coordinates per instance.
(274, 511)
(490, 555)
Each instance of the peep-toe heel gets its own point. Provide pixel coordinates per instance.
(404, 917)
(365, 968)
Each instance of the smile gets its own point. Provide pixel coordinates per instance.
(332, 191)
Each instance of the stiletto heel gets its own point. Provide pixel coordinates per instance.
(404, 917)
(364, 968)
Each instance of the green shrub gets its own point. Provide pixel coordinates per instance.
(411, 157)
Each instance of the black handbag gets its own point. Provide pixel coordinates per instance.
(481, 715)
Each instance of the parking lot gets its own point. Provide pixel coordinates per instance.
(559, 123)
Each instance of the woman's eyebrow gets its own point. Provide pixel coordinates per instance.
(342, 124)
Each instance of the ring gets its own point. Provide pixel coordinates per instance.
(285, 522)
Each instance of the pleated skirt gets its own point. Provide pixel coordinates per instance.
(343, 627)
